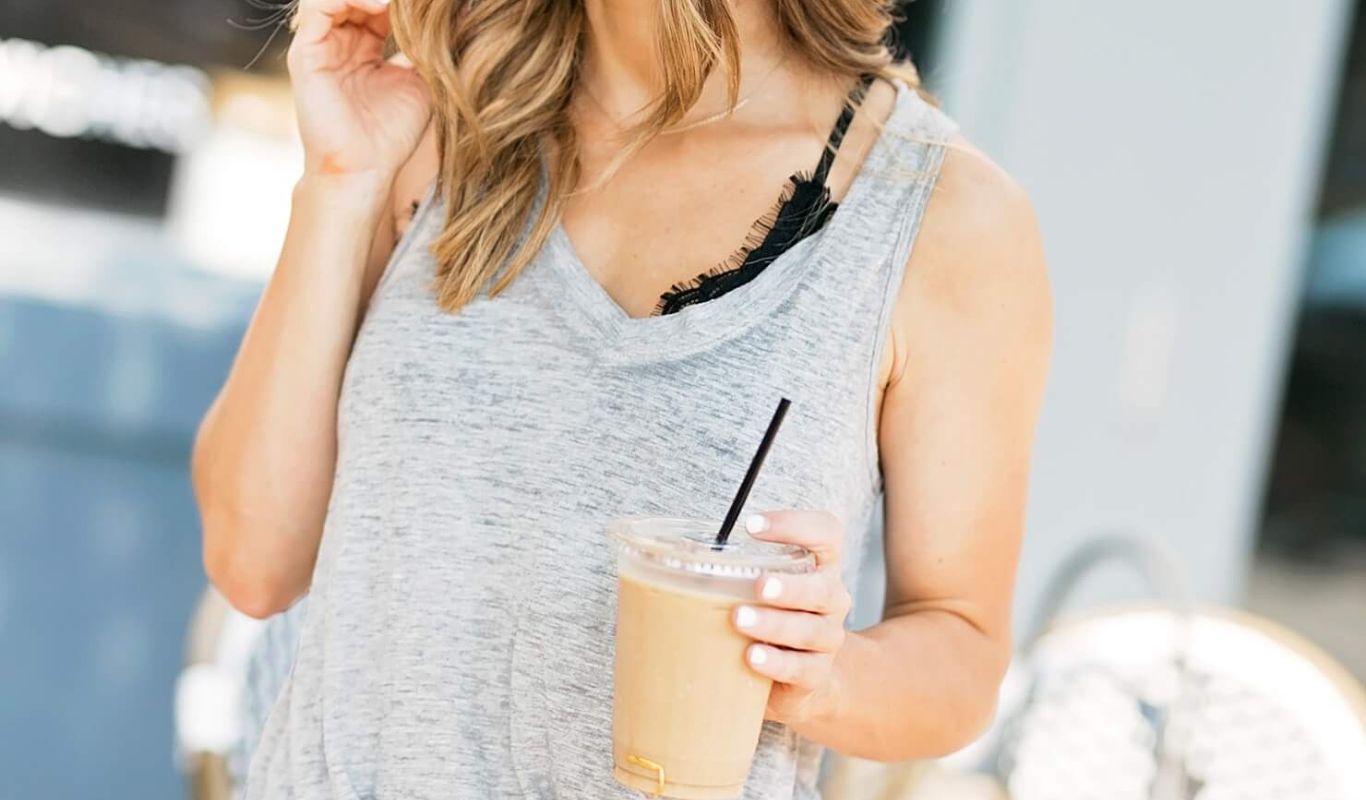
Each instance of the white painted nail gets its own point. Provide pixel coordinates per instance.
(772, 588)
(756, 523)
(745, 617)
(757, 655)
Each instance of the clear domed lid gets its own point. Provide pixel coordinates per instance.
(690, 546)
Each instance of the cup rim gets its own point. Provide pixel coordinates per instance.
(687, 545)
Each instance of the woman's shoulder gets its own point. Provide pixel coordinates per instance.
(978, 220)
(977, 269)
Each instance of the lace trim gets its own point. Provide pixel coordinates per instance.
(802, 209)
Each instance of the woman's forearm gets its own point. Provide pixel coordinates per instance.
(919, 685)
(265, 452)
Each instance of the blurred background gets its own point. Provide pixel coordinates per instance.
(1199, 170)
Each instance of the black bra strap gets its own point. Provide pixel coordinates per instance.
(832, 144)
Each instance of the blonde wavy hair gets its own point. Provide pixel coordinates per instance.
(502, 74)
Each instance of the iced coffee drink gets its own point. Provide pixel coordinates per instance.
(687, 708)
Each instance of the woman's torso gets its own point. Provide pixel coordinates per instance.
(458, 637)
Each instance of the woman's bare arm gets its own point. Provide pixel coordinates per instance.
(264, 456)
(965, 377)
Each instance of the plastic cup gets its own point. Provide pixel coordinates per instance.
(687, 709)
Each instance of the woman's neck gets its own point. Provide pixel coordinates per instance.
(622, 62)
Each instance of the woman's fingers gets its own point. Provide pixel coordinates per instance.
(820, 592)
(803, 670)
(801, 623)
(797, 630)
(337, 34)
(315, 18)
(817, 531)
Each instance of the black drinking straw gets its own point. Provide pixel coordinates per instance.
(748, 483)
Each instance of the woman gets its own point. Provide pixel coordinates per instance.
(447, 392)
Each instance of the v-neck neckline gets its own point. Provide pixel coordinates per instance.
(586, 304)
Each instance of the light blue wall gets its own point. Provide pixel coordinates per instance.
(99, 540)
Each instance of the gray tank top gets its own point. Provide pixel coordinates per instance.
(457, 641)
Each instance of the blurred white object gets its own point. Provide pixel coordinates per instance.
(207, 717)
(68, 92)
(230, 195)
(858, 779)
(208, 694)
(1168, 703)
(1247, 710)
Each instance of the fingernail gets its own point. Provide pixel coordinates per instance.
(772, 588)
(757, 655)
(745, 617)
(756, 523)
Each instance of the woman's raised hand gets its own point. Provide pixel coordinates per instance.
(357, 112)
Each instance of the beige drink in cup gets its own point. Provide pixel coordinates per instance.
(687, 708)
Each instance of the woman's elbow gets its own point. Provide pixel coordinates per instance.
(965, 711)
(974, 718)
(241, 552)
(246, 583)
(976, 704)
(950, 730)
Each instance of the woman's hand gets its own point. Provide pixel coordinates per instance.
(798, 625)
(357, 112)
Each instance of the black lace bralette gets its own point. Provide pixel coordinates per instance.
(803, 208)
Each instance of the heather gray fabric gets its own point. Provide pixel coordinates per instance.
(458, 637)
(272, 656)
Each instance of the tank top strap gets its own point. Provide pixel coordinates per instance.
(848, 293)
(883, 208)
(821, 173)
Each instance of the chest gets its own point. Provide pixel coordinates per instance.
(680, 208)
(502, 401)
